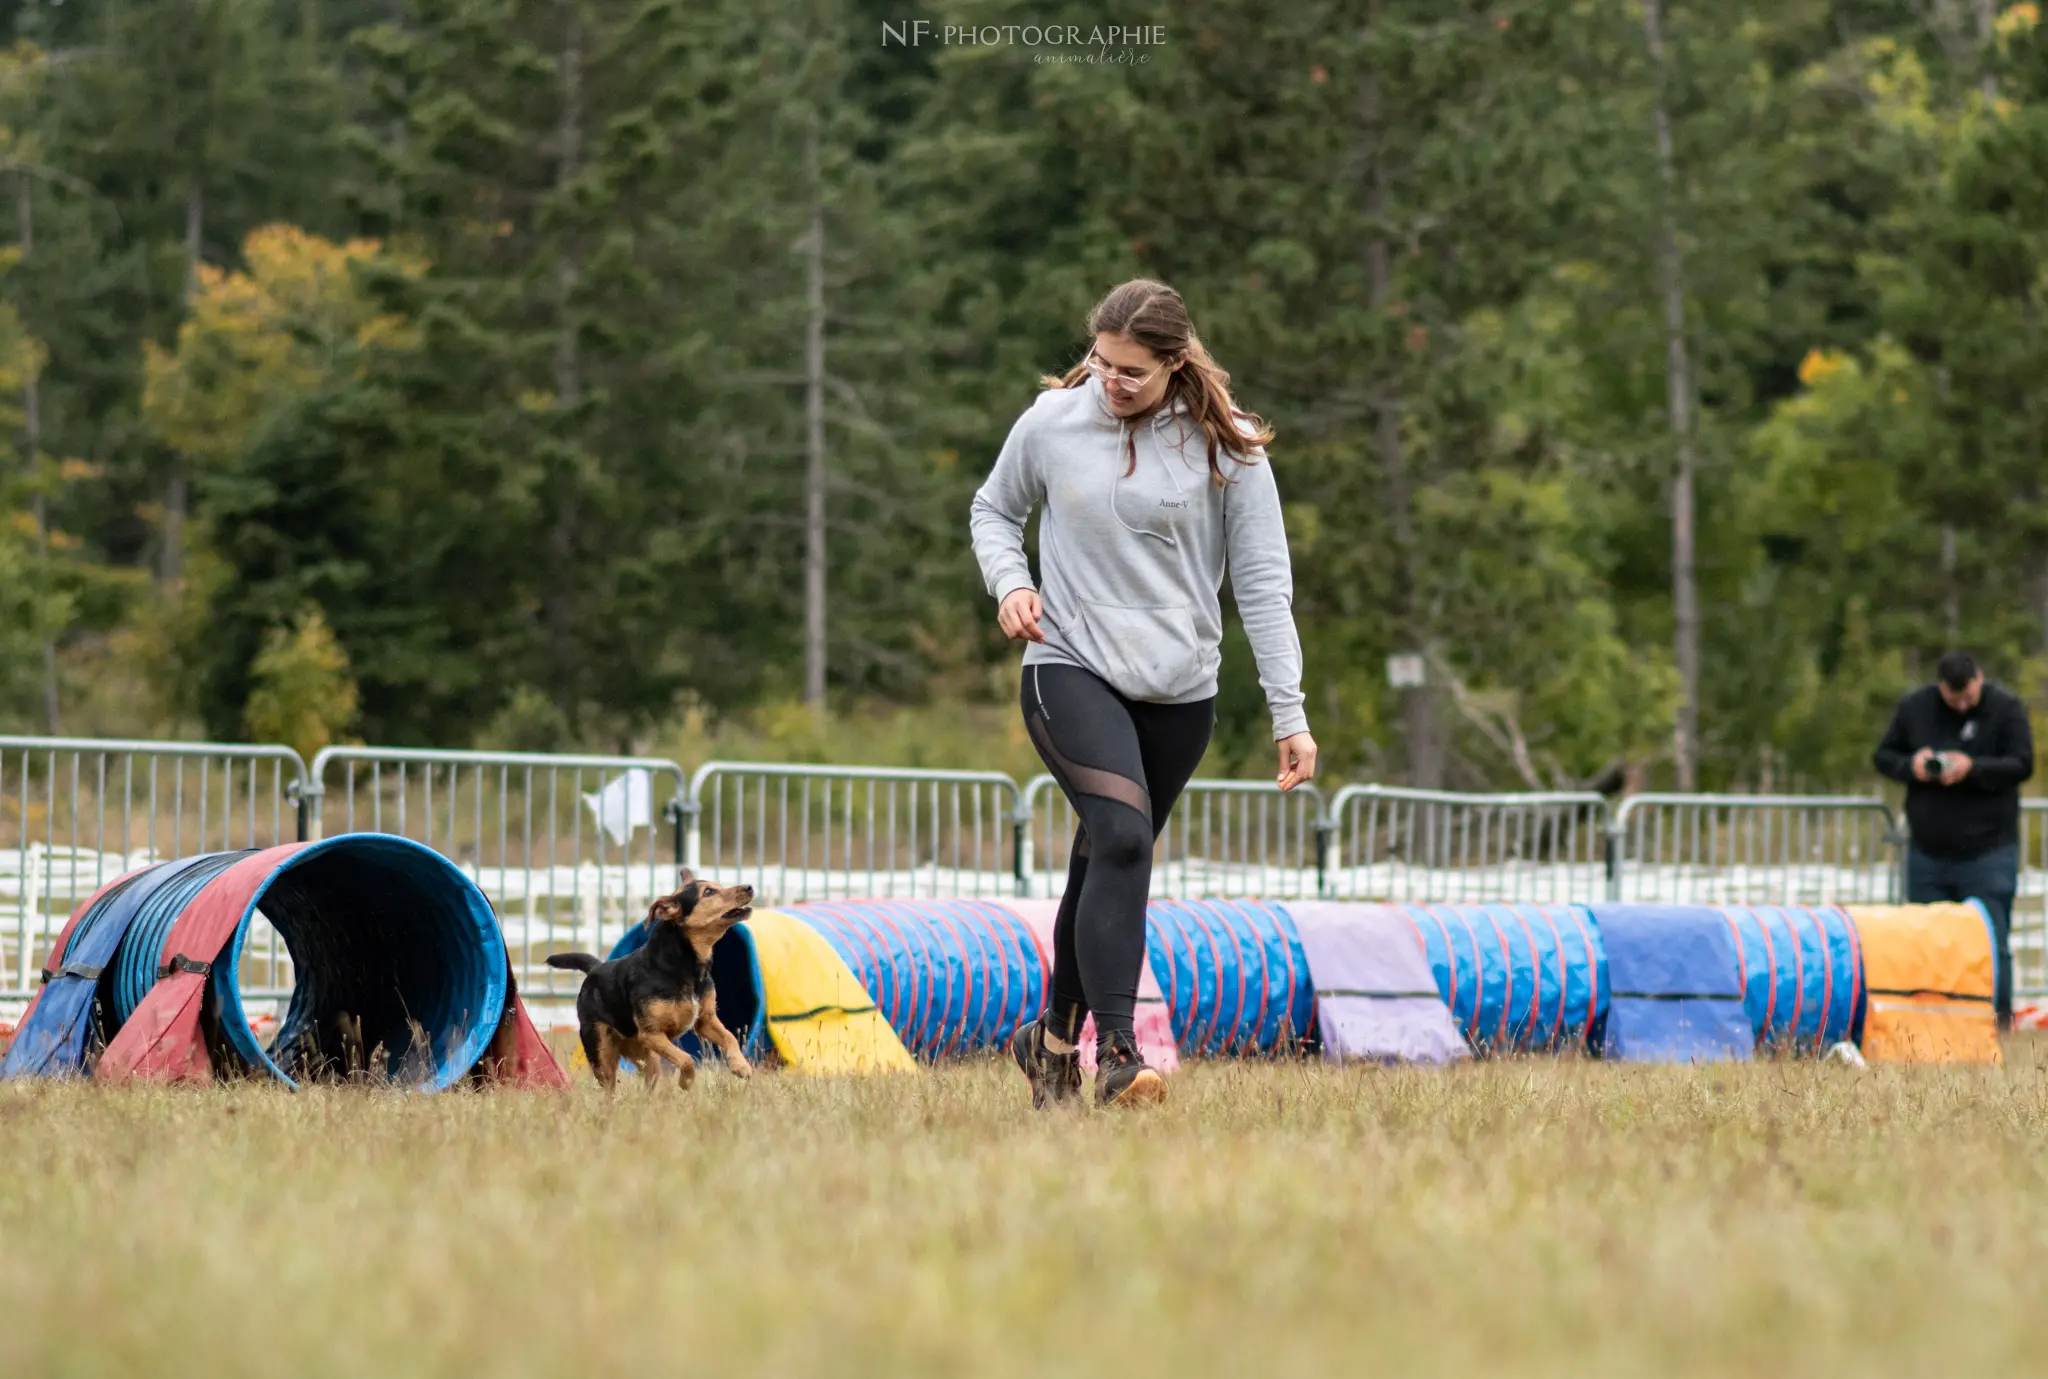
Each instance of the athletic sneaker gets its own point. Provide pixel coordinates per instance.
(1122, 1077)
(1054, 1076)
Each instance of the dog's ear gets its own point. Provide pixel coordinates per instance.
(684, 876)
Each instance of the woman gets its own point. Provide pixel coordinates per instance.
(1152, 482)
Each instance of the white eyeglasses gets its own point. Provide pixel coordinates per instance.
(1110, 373)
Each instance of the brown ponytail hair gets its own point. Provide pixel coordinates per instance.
(1154, 315)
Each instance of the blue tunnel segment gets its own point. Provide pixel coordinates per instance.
(1233, 973)
(1518, 978)
(1802, 973)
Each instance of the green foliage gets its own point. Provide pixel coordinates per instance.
(303, 695)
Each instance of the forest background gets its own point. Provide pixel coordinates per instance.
(1667, 375)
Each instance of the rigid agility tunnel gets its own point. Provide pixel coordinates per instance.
(1929, 973)
(1801, 969)
(397, 957)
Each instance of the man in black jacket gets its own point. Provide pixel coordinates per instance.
(1961, 747)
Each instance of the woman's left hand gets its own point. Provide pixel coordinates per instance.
(1297, 760)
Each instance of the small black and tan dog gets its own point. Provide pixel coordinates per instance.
(637, 1006)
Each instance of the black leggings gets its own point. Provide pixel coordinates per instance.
(1122, 764)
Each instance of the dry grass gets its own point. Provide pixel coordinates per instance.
(1533, 1217)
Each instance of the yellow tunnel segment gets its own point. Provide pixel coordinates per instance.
(820, 1018)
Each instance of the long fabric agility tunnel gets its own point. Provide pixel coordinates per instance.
(1930, 971)
(1517, 978)
(1676, 986)
(380, 929)
(735, 976)
(1150, 1021)
(1233, 973)
(950, 976)
(1802, 973)
(1376, 995)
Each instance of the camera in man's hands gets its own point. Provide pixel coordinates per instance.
(1937, 765)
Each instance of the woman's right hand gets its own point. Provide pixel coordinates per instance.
(1019, 615)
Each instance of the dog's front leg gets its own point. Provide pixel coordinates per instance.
(709, 1027)
(686, 1066)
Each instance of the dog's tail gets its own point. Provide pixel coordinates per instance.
(575, 962)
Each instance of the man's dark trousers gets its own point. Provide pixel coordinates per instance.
(1992, 877)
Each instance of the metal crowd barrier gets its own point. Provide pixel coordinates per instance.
(807, 832)
(1754, 850)
(1396, 844)
(2030, 906)
(570, 849)
(77, 812)
(1225, 838)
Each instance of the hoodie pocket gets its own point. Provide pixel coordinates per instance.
(1145, 653)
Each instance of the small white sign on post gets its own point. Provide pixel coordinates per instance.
(1405, 671)
(624, 805)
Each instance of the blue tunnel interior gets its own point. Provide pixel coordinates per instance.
(384, 930)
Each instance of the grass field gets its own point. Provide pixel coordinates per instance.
(1532, 1217)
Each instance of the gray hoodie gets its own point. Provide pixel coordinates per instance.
(1132, 565)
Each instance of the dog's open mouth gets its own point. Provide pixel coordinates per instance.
(741, 913)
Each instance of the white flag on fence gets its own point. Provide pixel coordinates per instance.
(624, 805)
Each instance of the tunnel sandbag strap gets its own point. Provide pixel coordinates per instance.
(1914, 993)
(161, 1039)
(1377, 998)
(814, 1012)
(1354, 992)
(58, 1022)
(1677, 992)
(180, 963)
(157, 903)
